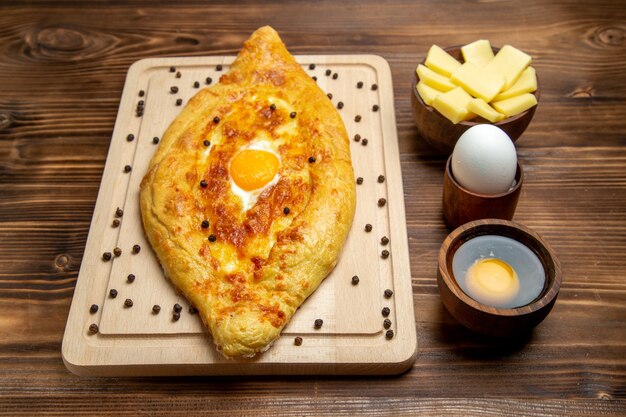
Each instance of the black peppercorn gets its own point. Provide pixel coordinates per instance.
(130, 137)
(359, 84)
(179, 101)
(107, 256)
(192, 310)
(357, 118)
(375, 107)
(178, 74)
(335, 76)
(203, 183)
(128, 168)
(216, 120)
(119, 212)
(208, 80)
(130, 278)
(139, 113)
(368, 227)
(212, 238)
(196, 84)
(359, 180)
(93, 309)
(136, 249)
(384, 240)
(385, 311)
(174, 89)
(116, 223)
(357, 138)
(297, 341)
(364, 142)
(374, 87)
(172, 69)
(205, 224)
(340, 105)
(328, 72)
(206, 142)
(93, 328)
(311, 159)
(384, 254)
(355, 280)
(311, 66)
(314, 78)
(178, 308)
(389, 334)
(128, 303)
(381, 178)
(140, 104)
(117, 252)
(286, 210)
(330, 96)
(156, 309)
(386, 323)
(142, 93)
(388, 293)
(113, 293)
(318, 323)
(292, 114)
(155, 140)
(381, 202)
(272, 106)
(176, 316)
(218, 67)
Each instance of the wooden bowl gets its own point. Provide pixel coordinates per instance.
(461, 205)
(490, 320)
(441, 134)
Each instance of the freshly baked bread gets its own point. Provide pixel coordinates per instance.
(250, 196)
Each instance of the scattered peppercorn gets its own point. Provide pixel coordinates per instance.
(130, 278)
(359, 180)
(172, 69)
(357, 138)
(156, 309)
(381, 202)
(314, 78)
(113, 293)
(384, 240)
(381, 178)
(128, 303)
(155, 140)
(375, 107)
(142, 93)
(212, 238)
(116, 223)
(179, 101)
(388, 293)
(192, 310)
(329, 95)
(208, 80)
(368, 227)
(206, 142)
(178, 74)
(174, 89)
(93, 328)
(384, 254)
(297, 341)
(93, 309)
(176, 316)
(286, 210)
(273, 106)
(364, 142)
(385, 311)
(139, 113)
(328, 72)
(130, 137)
(335, 76)
(216, 120)
(178, 308)
(374, 87)
(311, 66)
(107, 256)
(389, 334)
(119, 212)
(318, 323)
(128, 168)
(141, 103)
(203, 183)
(386, 323)
(136, 249)
(117, 252)
(340, 105)
(359, 84)
(205, 224)
(218, 67)
(311, 159)
(355, 280)
(292, 114)
(357, 118)
(196, 84)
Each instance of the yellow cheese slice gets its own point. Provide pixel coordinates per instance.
(434, 80)
(478, 53)
(484, 110)
(480, 83)
(440, 61)
(509, 62)
(427, 93)
(515, 105)
(453, 105)
(526, 83)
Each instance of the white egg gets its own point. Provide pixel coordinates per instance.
(484, 160)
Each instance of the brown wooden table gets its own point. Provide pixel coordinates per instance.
(62, 68)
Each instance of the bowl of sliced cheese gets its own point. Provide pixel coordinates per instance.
(461, 86)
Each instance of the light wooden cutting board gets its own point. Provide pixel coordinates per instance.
(135, 341)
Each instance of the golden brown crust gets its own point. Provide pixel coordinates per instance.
(263, 264)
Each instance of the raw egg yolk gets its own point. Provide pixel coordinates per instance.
(252, 168)
(493, 282)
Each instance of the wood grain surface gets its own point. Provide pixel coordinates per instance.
(62, 68)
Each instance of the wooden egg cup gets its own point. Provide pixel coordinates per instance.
(461, 205)
(491, 320)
